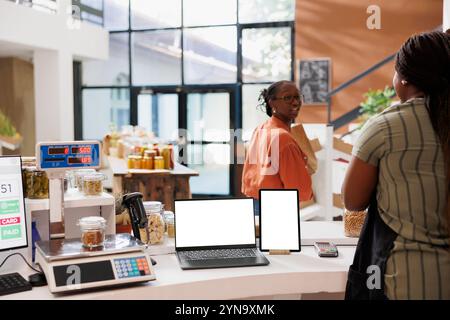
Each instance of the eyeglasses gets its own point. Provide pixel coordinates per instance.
(298, 98)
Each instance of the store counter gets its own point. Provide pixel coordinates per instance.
(293, 274)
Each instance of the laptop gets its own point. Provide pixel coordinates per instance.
(216, 233)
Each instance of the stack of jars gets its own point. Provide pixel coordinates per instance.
(151, 158)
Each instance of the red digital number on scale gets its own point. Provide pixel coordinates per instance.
(58, 150)
(77, 160)
(82, 150)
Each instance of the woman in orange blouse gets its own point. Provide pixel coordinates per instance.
(274, 159)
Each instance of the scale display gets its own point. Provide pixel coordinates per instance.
(66, 155)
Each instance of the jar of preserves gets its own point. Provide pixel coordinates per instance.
(37, 184)
(167, 154)
(147, 160)
(159, 162)
(79, 174)
(147, 163)
(155, 224)
(92, 231)
(93, 184)
(134, 162)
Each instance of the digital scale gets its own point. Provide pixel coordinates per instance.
(56, 158)
(68, 266)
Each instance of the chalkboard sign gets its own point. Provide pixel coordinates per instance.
(315, 80)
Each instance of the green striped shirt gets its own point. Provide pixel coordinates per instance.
(411, 194)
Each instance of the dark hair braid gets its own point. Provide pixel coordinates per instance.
(424, 61)
(267, 94)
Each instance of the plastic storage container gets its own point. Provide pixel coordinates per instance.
(93, 184)
(36, 184)
(155, 227)
(92, 231)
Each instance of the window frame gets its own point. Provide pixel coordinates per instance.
(182, 89)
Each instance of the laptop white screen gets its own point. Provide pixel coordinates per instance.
(214, 222)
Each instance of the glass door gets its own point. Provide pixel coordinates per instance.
(158, 112)
(198, 121)
(209, 149)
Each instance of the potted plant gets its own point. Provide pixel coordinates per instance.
(375, 102)
(9, 137)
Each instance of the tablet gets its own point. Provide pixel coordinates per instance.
(279, 220)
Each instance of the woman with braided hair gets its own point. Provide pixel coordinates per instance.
(274, 160)
(402, 157)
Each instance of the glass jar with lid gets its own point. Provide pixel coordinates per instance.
(155, 224)
(167, 154)
(134, 161)
(36, 183)
(92, 231)
(169, 219)
(79, 174)
(93, 184)
(159, 162)
(148, 160)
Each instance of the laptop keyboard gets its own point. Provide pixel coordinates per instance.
(218, 254)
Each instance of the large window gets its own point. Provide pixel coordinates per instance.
(197, 65)
(49, 6)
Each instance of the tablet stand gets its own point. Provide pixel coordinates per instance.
(279, 252)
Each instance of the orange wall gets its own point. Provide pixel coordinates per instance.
(337, 29)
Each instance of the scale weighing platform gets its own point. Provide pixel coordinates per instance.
(68, 266)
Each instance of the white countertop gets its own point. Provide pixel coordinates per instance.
(302, 272)
(297, 273)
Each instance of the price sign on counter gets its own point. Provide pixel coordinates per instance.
(9, 188)
(12, 212)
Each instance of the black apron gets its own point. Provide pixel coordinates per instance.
(374, 245)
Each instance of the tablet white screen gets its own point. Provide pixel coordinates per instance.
(279, 221)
